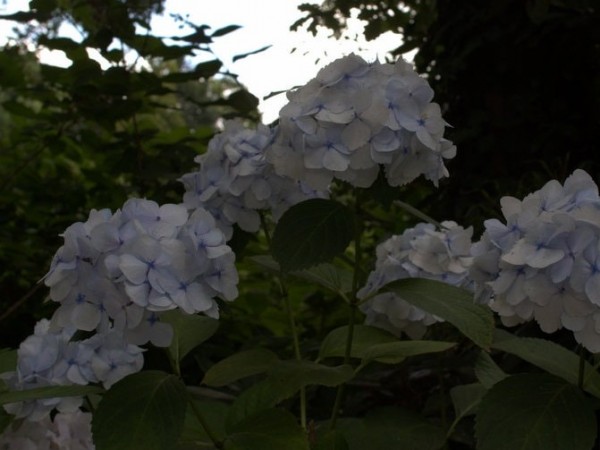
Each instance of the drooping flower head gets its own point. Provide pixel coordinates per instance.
(419, 252)
(543, 262)
(355, 117)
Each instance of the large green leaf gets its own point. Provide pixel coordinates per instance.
(535, 412)
(269, 429)
(292, 375)
(455, 305)
(284, 379)
(240, 365)
(312, 232)
(48, 392)
(331, 277)
(551, 357)
(395, 352)
(363, 338)
(145, 410)
(189, 331)
(391, 428)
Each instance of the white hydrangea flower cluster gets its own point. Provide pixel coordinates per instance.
(122, 270)
(67, 431)
(419, 252)
(543, 264)
(235, 180)
(355, 116)
(50, 358)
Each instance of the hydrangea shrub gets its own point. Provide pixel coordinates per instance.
(153, 278)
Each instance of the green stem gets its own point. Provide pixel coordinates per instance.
(297, 354)
(352, 305)
(415, 212)
(347, 353)
(581, 373)
(292, 322)
(216, 442)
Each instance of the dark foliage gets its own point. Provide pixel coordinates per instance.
(519, 81)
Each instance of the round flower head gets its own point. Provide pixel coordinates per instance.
(419, 252)
(235, 181)
(354, 117)
(122, 270)
(542, 263)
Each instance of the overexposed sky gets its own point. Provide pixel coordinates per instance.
(264, 22)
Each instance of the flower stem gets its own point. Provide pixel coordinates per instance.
(296, 342)
(292, 322)
(347, 353)
(581, 373)
(415, 212)
(352, 305)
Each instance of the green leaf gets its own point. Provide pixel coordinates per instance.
(8, 360)
(535, 412)
(238, 366)
(213, 413)
(391, 428)
(257, 397)
(148, 45)
(189, 331)
(455, 305)
(225, 30)
(395, 352)
(291, 375)
(144, 410)
(363, 338)
(269, 429)
(207, 69)
(551, 357)
(5, 420)
(331, 440)
(284, 380)
(487, 371)
(254, 52)
(336, 279)
(48, 392)
(466, 399)
(312, 232)
(242, 100)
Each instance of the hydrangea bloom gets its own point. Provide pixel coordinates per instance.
(50, 357)
(354, 117)
(122, 270)
(543, 263)
(235, 180)
(422, 252)
(67, 431)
